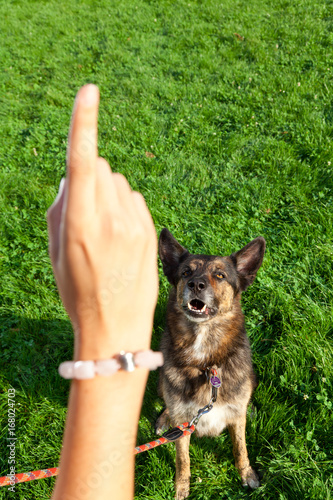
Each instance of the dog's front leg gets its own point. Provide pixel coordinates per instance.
(183, 468)
(237, 433)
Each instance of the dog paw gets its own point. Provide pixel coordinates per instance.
(182, 490)
(250, 478)
(162, 423)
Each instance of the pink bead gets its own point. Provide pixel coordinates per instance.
(148, 359)
(106, 367)
(77, 369)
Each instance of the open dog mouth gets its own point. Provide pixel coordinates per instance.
(196, 306)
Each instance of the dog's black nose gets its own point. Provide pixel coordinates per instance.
(196, 285)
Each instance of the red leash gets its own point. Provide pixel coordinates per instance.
(184, 430)
(169, 436)
(28, 476)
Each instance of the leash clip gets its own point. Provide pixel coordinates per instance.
(202, 411)
(215, 382)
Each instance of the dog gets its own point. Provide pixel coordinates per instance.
(204, 334)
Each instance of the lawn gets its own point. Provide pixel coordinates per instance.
(221, 114)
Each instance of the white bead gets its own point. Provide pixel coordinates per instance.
(84, 369)
(106, 367)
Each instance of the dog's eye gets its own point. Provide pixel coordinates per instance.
(186, 273)
(220, 275)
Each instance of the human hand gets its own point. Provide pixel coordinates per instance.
(103, 246)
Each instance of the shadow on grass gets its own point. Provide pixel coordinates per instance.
(31, 351)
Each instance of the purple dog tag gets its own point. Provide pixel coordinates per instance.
(216, 382)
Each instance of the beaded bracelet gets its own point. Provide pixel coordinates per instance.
(126, 361)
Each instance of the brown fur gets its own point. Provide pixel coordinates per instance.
(205, 329)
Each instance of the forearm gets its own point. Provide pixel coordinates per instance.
(97, 459)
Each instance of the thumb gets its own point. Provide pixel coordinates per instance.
(53, 217)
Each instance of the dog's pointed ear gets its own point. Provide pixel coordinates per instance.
(171, 253)
(248, 260)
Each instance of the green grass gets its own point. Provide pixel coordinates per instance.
(234, 100)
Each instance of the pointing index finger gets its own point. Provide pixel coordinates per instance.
(82, 151)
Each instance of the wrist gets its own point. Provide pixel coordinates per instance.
(97, 343)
